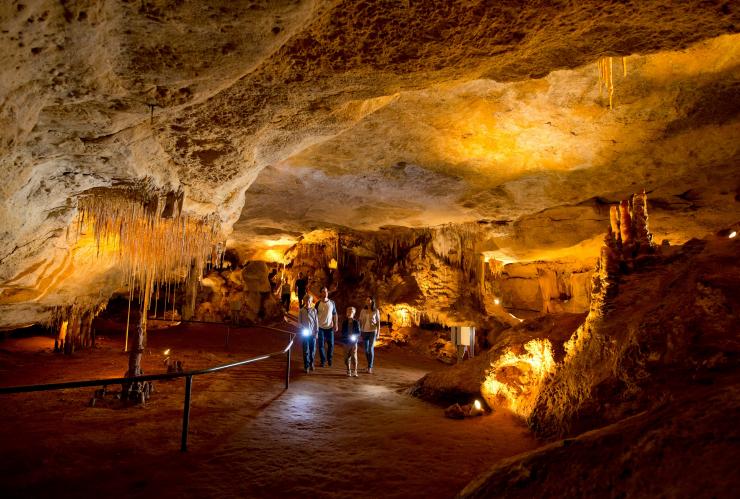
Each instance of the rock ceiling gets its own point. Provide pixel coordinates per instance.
(286, 116)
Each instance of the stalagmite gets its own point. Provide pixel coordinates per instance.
(643, 238)
(614, 223)
(59, 342)
(625, 223)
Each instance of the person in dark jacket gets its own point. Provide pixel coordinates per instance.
(285, 293)
(309, 329)
(350, 337)
(301, 285)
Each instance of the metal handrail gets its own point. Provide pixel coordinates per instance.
(188, 375)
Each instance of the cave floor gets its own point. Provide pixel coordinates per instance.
(328, 435)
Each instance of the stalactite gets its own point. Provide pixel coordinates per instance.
(174, 301)
(59, 342)
(156, 298)
(611, 83)
(128, 314)
(74, 322)
(605, 67)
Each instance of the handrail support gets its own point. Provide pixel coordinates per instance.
(287, 368)
(186, 413)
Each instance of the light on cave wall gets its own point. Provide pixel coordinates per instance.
(273, 255)
(333, 264)
(514, 380)
(515, 317)
(404, 316)
(497, 301)
(733, 234)
(63, 330)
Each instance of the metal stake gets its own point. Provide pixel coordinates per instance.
(186, 413)
(287, 369)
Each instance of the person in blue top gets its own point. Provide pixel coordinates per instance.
(350, 337)
(309, 328)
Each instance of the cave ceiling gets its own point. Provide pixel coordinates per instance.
(283, 117)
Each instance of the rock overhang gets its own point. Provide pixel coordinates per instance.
(230, 102)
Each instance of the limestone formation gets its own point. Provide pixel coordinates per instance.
(625, 224)
(643, 238)
(277, 118)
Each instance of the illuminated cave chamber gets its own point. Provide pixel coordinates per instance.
(466, 164)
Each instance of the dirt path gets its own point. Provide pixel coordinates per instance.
(327, 436)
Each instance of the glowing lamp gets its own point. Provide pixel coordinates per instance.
(167, 352)
(306, 333)
(497, 301)
(477, 405)
(353, 338)
(732, 234)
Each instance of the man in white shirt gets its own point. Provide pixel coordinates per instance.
(327, 312)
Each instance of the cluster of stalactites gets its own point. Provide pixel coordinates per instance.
(456, 245)
(148, 235)
(394, 247)
(322, 252)
(74, 325)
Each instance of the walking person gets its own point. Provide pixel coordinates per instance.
(309, 324)
(370, 327)
(301, 285)
(272, 277)
(350, 338)
(285, 293)
(328, 324)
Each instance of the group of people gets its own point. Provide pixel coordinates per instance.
(319, 322)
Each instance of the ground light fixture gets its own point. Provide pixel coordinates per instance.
(306, 332)
(477, 405)
(353, 337)
(733, 234)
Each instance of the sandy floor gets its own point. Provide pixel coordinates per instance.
(327, 436)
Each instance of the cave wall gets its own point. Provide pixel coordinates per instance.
(546, 287)
(240, 295)
(661, 318)
(437, 276)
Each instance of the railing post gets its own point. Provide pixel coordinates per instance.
(287, 369)
(186, 413)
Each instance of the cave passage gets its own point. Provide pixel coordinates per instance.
(247, 433)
